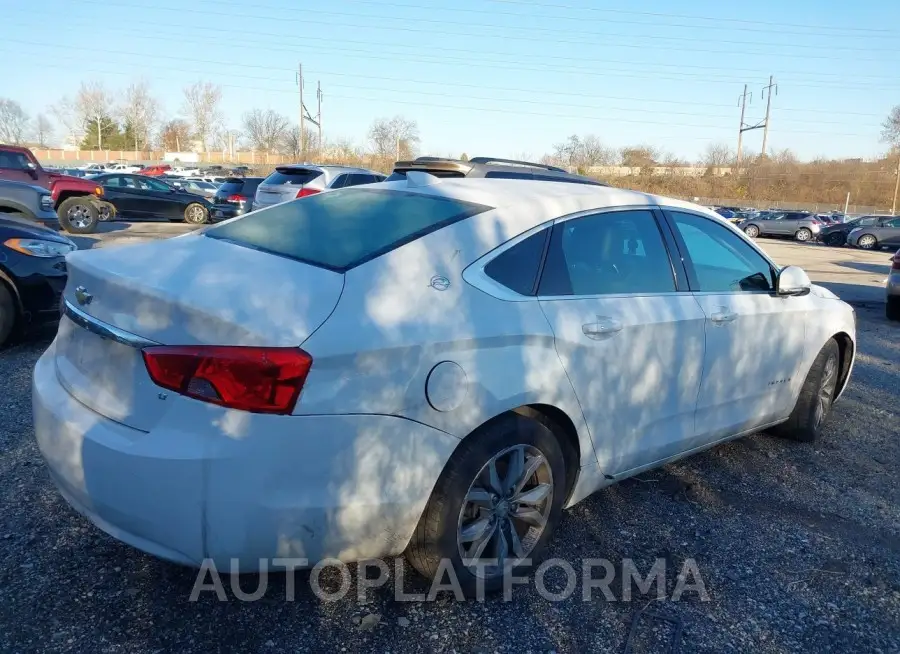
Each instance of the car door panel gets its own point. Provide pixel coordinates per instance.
(634, 358)
(755, 341)
(890, 233)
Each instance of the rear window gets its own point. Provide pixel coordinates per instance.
(298, 176)
(401, 174)
(240, 186)
(345, 228)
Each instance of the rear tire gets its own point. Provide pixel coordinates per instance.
(195, 214)
(8, 313)
(752, 231)
(893, 308)
(78, 215)
(451, 514)
(803, 235)
(835, 240)
(816, 397)
(867, 242)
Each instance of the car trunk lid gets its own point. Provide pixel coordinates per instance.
(284, 184)
(184, 291)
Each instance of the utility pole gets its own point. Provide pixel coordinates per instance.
(763, 124)
(768, 97)
(300, 85)
(896, 186)
(743, 103)
(319, 113)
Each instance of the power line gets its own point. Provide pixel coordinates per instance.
(530, 39)
(442, 105)
(231, 75)
(381, 45)
(868, 33)
(511, 65)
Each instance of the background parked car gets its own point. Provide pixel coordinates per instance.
(836, 235)
(299, 180)
(871, 237)
(490, 167)
(157, 170)
(799, 225)
(892, 288)
(32, 274)
(197, 187)
(136, 196)
(27, 201)
(234, 197)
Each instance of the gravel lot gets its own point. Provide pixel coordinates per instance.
(798, 544)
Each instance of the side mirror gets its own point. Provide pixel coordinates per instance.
(31, 169)
(792, 281)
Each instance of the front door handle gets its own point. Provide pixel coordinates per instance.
(603, 328)
(723, 316)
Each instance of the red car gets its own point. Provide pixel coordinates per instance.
(156, 171)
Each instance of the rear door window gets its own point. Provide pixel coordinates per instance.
(339, 231)
(517, 268)
(293, 176)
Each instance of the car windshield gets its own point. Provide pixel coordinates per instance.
(344, 228)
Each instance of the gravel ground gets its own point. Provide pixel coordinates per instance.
(797, 546)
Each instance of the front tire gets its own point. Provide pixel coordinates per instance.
(195, 214)
(893, 308)
(867, 242)
(8, 313)
(803, 235)
(816, 397)
(499, 499)
(78, 215)
(752, 231)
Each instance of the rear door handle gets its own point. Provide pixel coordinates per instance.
(603, 328)
(723, 316)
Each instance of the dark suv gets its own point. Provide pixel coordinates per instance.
(488, 167)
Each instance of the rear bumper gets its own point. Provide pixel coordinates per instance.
(893, 284)
(238, 487)
(219, 212)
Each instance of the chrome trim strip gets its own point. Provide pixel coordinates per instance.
(104, 330)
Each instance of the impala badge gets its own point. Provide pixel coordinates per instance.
(83, 296)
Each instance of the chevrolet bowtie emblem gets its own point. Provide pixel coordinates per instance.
(83, 296)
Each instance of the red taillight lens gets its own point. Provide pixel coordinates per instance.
(257, 379)
(304, 192)
(237, 198)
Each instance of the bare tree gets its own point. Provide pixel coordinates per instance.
(201, 104)
(13, 122)
(94, 105)
(397, 136)
(265, 130)
(174, 135)
(890, 132)
(641, 156)
(717, 155)
(67, 116)
(43, 128)
(290, 142)
(139, 112)
(583, 153)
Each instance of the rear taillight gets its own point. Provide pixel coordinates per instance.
(304, 192)
(237, 198)
(256, 379)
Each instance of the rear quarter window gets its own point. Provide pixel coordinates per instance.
(345, 228)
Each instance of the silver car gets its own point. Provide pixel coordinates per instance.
(799, 225)
(893, 289)
(299, 180)
(885, 233)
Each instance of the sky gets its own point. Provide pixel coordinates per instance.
(504, 78)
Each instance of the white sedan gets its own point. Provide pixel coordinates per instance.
(430, 366)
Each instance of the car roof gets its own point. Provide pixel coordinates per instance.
(543, 200)
(481, 166)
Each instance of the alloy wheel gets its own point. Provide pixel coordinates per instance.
(826, 389)
(867, 242)
(79, 216)
(804, 235)
(752, 231)
(196, 214)
(505, 510)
